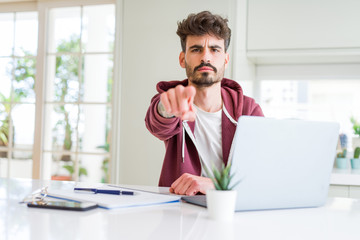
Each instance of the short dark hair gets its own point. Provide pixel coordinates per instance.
(204, 23)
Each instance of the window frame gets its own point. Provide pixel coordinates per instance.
(15, 8)
(42, 8)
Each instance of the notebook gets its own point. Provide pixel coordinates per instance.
(280, 163)
(108, 201)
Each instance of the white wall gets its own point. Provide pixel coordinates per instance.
(303, 24)
(150, 54)
(303, 31)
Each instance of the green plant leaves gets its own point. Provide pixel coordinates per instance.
(356, 126)
(70, 169)
(357, 152)
(221, 178)
(342, 154)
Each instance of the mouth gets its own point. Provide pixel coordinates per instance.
(205, 69)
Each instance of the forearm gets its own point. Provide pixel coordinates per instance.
(161, 127)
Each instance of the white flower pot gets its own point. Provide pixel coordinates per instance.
(221, 204)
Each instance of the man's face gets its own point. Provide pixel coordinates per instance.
(204, 59)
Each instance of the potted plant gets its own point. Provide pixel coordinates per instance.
(71, 170)
(356, 129)
(221, 200)
(355, 162)
(341, 160)
(69, 167)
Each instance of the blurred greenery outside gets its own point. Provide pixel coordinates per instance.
(65, 90)
(22, 88)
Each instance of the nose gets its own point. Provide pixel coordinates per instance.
(206, 57)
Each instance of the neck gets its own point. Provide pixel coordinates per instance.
(209, 98)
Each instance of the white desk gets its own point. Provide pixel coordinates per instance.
(339, 219)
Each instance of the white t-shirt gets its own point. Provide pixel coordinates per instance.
(208, 137)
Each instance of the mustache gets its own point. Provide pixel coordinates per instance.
(205, 65)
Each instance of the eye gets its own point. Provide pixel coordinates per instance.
(215, 50)
(195, 50)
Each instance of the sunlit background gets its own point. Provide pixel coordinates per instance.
(306, 67)
(77, 102)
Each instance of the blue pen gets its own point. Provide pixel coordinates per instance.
(104, 191)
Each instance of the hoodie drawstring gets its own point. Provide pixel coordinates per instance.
(192, 137)
(183, 143)
(186, 128)
(229, 116)
(232, 145)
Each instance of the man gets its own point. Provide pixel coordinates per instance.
(196, 118)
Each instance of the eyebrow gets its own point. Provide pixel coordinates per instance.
(200, 46)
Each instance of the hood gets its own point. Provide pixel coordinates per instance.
(233, 97)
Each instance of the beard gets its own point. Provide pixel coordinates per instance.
(204, 79)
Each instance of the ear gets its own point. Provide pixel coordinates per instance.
(182, 59)
(227, 59)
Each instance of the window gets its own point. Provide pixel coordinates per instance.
(76, 87)
(323, 100)
(78, 92)
(18, 50)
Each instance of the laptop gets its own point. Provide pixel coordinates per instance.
(280, 163)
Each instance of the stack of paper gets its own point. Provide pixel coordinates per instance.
(109, 201)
